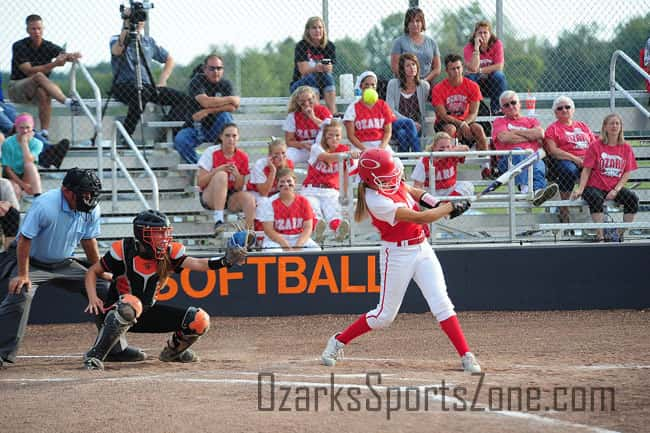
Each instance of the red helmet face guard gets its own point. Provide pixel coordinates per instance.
(157, 239)
(377, 167)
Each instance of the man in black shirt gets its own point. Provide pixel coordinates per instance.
(33, 59)
(213, 103)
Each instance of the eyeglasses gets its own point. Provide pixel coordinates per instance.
(214, 68)
(563, 107)
(509, 104)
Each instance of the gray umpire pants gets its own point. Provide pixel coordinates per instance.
(14, 310)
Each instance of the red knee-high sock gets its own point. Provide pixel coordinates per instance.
(359, 327)
(455, 333)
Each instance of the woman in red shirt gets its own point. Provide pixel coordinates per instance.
(607, 167)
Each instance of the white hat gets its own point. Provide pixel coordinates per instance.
(363, 76)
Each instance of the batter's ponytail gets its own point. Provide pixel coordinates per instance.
(361, 211)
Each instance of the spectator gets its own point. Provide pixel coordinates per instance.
(566, 143)
(446, 169)
(263, 181)
(51, 155)
(607, 166)
(484, 61)
(414, 41)
(156, 256)
(124, 64)
(222, 173)
(456, 100)
(369, 125)
(213, 103)
(514, 132)
(321, 186)
(33, 59)
(9, 212)
(20, 156)
(407, 96)
(314, 58)
(303, 122)
(56, 223)
(287, 218)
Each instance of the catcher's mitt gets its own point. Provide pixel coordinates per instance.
(237, 247)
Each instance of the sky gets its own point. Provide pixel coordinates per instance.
(188, 28)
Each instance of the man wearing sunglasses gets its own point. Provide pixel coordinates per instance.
(514, 132)
(213, 101)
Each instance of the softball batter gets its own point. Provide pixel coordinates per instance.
(394, 208)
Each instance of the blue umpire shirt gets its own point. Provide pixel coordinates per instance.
(55, 229)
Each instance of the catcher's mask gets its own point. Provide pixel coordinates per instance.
(153, 231)
(85, 185)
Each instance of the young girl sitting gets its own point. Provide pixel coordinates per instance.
(445, 168)
(20, 156)
(321, 186)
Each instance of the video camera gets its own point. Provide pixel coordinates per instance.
(138, 11)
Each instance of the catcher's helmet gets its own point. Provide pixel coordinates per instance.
(86, 187)
(153, 231)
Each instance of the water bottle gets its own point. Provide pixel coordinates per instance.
(198, 131)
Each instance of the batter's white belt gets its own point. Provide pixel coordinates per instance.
(409, 242)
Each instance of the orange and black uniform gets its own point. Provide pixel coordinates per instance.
(137, 275)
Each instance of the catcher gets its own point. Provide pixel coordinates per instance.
(140, 268)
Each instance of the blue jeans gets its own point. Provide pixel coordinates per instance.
(188, 139)
(492, 86)
(406, 133)
(317, 81)
(566, 174)
(539, 171)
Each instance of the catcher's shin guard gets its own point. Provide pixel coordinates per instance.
(116, 323)
(196, 322)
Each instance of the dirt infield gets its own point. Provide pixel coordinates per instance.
(403, 379)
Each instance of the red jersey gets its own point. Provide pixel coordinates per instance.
(456, 99)
(289, 219)
(446, 171)
(260, 173)
(608, 164)
(369, 122)
(573, 139)
(239, 158)
(504, 124)
(303, 127)
(321, 173)
(382, 208)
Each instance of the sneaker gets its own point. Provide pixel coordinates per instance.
(130, 354)
(541, 195)
(75, 107)
(486, 174)
(470, 364)
(169, 355)
(342, 231)
(333, 351)
(93, 364)
(319, 231)
(219, 228)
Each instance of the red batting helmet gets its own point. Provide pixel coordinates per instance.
(377, 167)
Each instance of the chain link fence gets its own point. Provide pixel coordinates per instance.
(549, 46)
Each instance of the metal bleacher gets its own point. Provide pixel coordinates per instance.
(489, 220)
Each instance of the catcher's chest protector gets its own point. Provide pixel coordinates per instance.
(140, 277)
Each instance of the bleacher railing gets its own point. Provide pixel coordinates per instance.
(614, 85)
(96, 118)
(117, 163)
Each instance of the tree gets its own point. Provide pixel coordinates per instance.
(379, 43)
(630, 37)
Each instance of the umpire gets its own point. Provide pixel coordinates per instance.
(57, 222)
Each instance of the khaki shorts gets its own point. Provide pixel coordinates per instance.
(22, 91)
